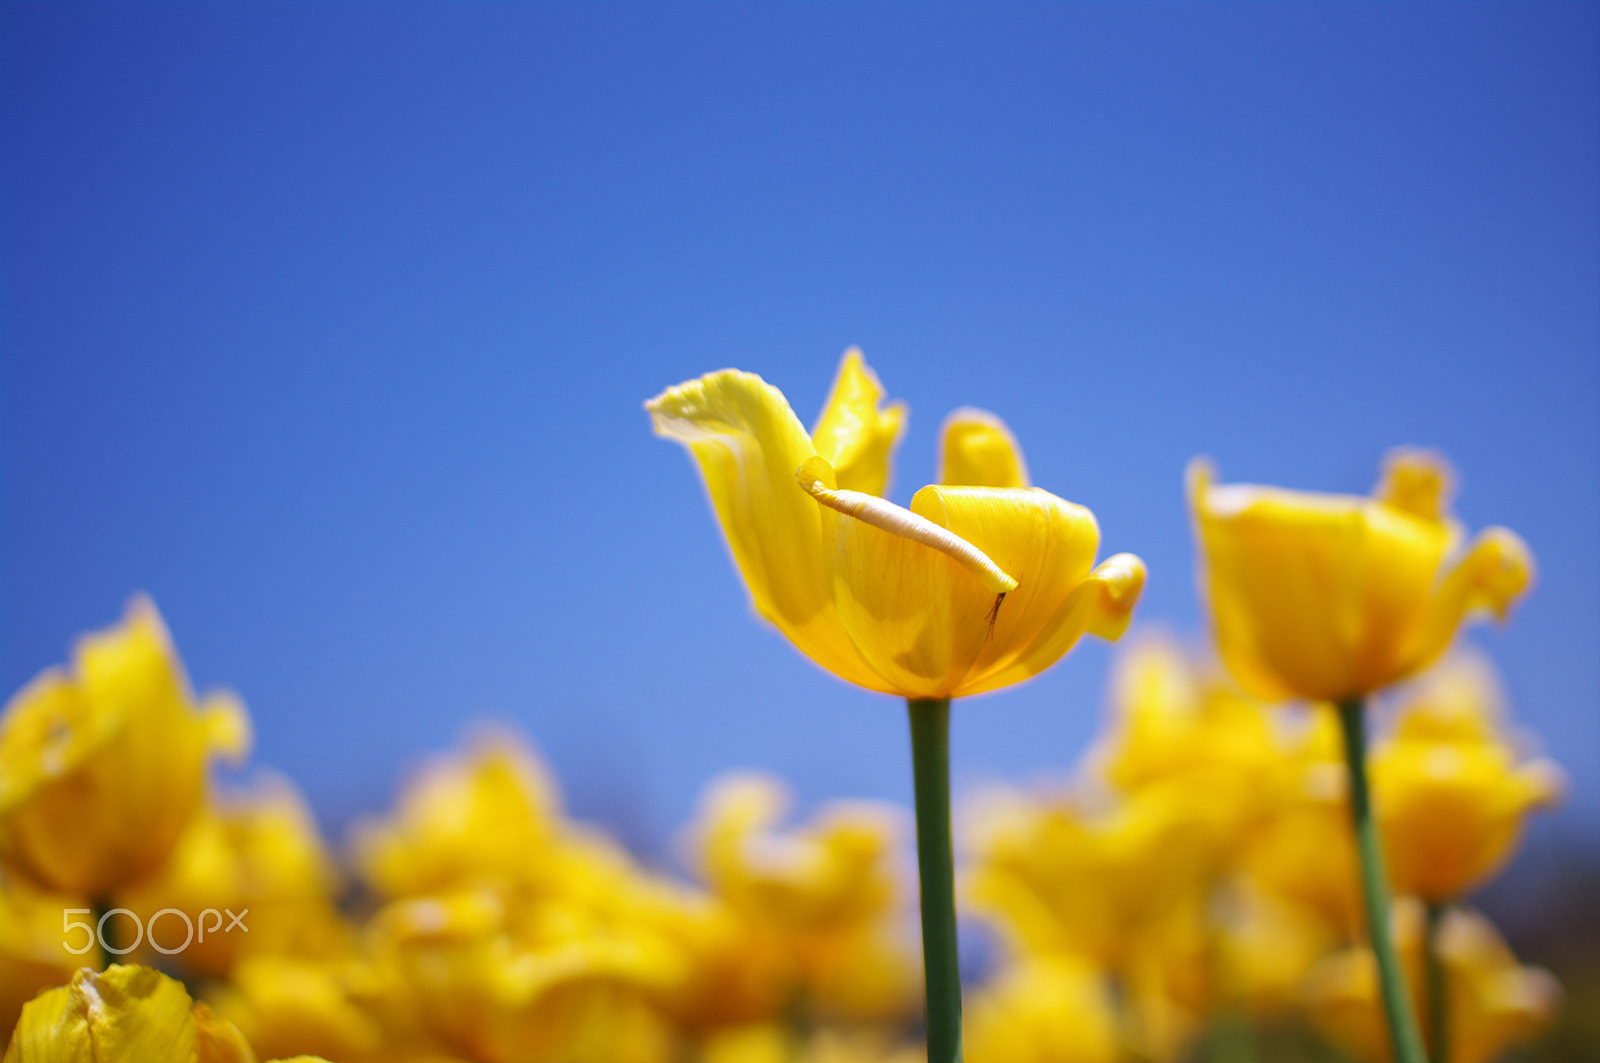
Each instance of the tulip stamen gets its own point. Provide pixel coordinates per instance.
(994, 614)
(896, 520)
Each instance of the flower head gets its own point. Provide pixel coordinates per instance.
(1334, 596)
(123, 1013)
(101, 768)
(1450, 790)
(1492, 1001)
(973, 588)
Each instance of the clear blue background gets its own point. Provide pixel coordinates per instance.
(329, 325)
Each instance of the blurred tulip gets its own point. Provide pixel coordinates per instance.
(489, 815)
(1175, 723)
(1450, 791)
(100, 769)
(1057, 877)
(33, 955)
(500, 997)
(1055, 1010)
(971, 589)
(1331, 597)
(1492, 1002)
(258, 852)
(120, 1015)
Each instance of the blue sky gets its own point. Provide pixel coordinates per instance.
(329, 326)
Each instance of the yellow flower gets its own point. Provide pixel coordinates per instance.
(1449, 791)
(1304, 853)
(501, 994)
(1055, 1010)
(338, 1010)
(489, 815)
(831, 878)
(1057, 876)
(1333, 596)
(119, 1015)
(1176, 724)
(821, 894)
(32, 956)
(258, 852)
(1491, 1002)
(100, 769)
(971, 589)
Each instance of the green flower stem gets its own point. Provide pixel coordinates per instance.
(930, 768)
(1437, 988)
(1404, 1037)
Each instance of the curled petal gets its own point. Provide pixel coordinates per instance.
(976, 449)
(853, 434)
(747, 443)
(1495, 571)
(1046, 543)
(1100, 605)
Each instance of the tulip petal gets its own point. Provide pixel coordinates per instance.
(918, 614)
(854, 435)
(1048, 546)
(1312, 595)
(1101, 605)
(1496, 569)
(976, 449)
(747, 443)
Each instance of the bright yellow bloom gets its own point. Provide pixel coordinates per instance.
(1304, 854)
(348, 1011)
(821, 894)
(1177, 724)
(489, 815)
(501, 993)
(1334, 596)
(100, 769)
(31, 953)
(1491, 1001)
(1057, 876)
(971, 589)
(1450, 792)
(830, 878)
(1055, 1010)
(258, 851)
(123, 1014)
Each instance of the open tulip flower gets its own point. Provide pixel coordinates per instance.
(1331, 597)
(983, 582)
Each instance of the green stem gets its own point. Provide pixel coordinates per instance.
(1438, 989)
(930, 768)
(1404, 1037)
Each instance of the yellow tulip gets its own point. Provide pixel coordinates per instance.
(831, 878)
(1491, 1001)
(1064, 876)
(971, 589)
(258, 852)
(489, 815)
(1055, 1010)
(119, 1015)
(100, 769)
(495, 992)
(1177, 723)
(32, 956)
(821, 894)
(1450, 792)
(1331, 597)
